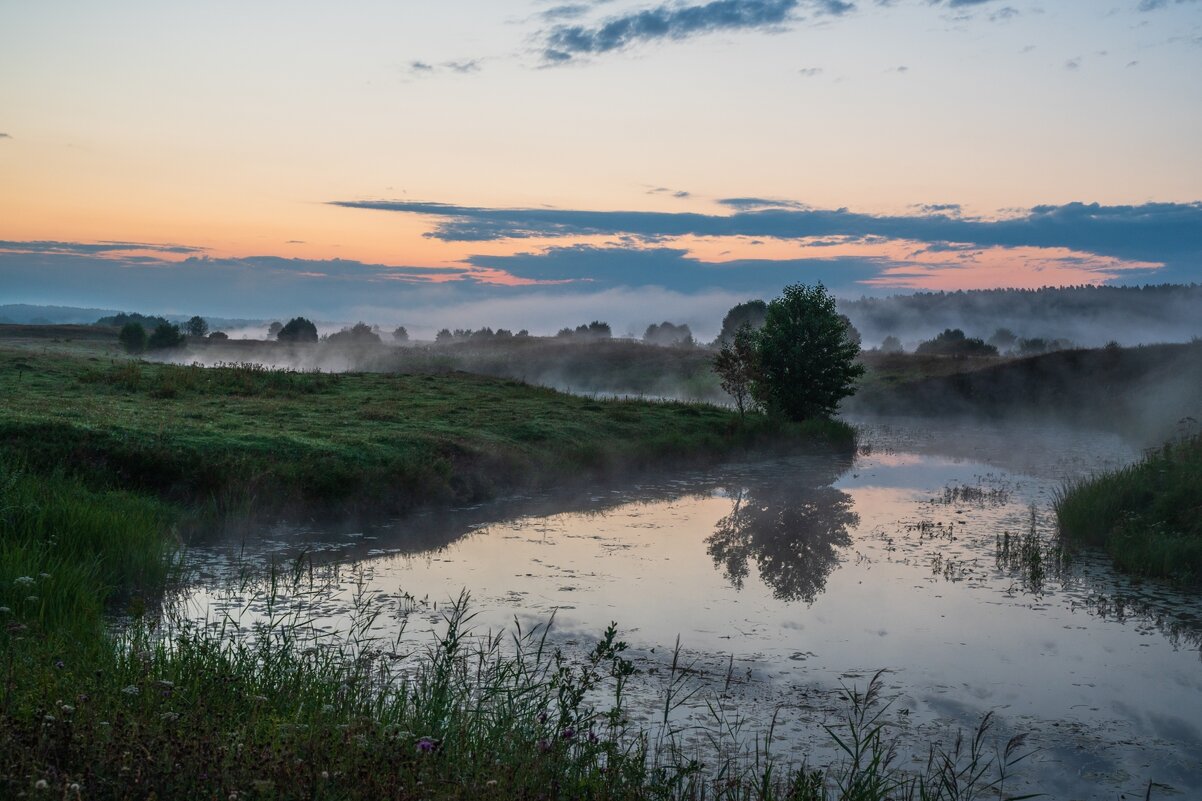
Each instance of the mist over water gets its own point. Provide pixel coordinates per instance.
(931, 553)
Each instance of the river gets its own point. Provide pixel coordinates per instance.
(930, 554)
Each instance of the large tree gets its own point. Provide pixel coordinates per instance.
(807, 360)
(298, 329)
(197, 326)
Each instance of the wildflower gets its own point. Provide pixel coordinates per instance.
(592, 738)
(44, 575)
(73, 787)
(325, 774)
(4, 610)
(542, 717)
(169, 717)
(544, 745)
(60, 664)
(33, 599)
(259, 699)
(568, 733)
(166, 685)
(48, 718)
(131, 690)
(41, 784)
(426, 745)
(66, 708)
(23, 581)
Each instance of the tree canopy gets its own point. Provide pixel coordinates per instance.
(132, 337)
(750, 313)
(807, 358)
(953, 342)
(197, 326)
(668, 334)
(165, 336)
(298, 329)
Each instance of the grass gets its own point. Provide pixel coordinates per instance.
(241, 437)
(1148, 516)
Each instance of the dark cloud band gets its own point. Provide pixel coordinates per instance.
(1159, 232)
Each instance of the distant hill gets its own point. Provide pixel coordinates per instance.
(124, 318)
(1089, 316)
(1146, 391)
(26, 314)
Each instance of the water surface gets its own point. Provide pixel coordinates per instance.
(930, 554)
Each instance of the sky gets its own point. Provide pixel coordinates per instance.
(538, 164)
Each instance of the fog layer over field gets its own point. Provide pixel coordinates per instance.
(1088, 316)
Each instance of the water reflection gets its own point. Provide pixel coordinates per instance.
(792, 530)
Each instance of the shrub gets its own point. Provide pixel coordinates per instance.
(132, 337)
(165, 336)
(953, 342)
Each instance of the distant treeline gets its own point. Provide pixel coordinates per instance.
(1087, 315)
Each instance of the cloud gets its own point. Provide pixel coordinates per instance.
(547, 282)
(810, 72)
(663, 190)
(460, 66)
(5, 136)
(675, 269)
(939, 208)
(749, 203)
(463, 66)
(93, 248)
(1156, 5)
(1154, 232)
(563, 43)
(1073, 64)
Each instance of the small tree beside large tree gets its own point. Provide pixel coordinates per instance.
(737, 366)
(800, 363)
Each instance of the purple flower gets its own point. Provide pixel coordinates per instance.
(544, 745)
(568, 733)
(426, 745)
(592, 738)
(542, 717)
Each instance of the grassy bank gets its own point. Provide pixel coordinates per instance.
(244, 438)
(1148, 516)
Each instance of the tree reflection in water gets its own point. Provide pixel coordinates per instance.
(792, 526)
